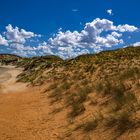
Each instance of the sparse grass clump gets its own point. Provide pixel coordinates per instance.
(56, 95)
(90, 125)
(53, 86)
(104, 87)
(83, 92)
(66, 85)
(76, 100)
(89, 68)
(133, 72)
(77, 109)
(121, 103)
(122, 122)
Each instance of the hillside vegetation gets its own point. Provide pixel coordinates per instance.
(100, 91)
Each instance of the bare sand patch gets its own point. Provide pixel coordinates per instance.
(25, 114)
(8, 80)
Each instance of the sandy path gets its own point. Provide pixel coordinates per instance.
(25, 113)
(8, 82)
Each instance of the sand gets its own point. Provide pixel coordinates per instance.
(25, 114)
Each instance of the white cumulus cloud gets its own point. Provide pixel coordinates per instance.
(126, 28)
(90, 38)
(94, 37)
(109, 11)
(115, 34)
(16, 35)
(136, 44)
(3, 41)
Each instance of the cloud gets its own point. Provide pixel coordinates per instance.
(22, 50)
(136, 44)
(17, 46)
(115, 34)
(17, 35)
(26, 50)
(109, 11)
(108, 41)
(75, 10)
(98, 35)
(15, 40)
(3, 41)
(91, 38)
(126, 28)
(43, 48)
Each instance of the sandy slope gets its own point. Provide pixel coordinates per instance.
(24, 113)
(8, 80)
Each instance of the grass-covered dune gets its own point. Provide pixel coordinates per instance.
(9, 58)
(106, 85)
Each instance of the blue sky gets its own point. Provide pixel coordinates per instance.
(46, 24)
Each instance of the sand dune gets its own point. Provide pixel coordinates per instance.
(8, 79)
(24, 112)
